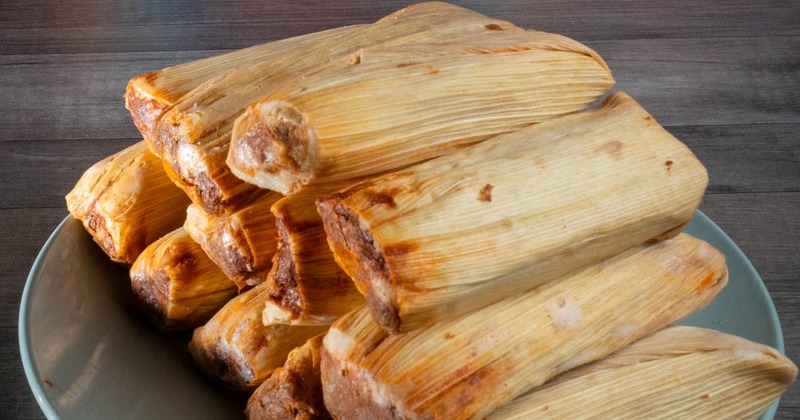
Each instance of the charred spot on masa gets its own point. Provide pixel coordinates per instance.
(151, 77)
(378, 197)
(474, 379)
(477, 377)
(400, 248)
(385, 314)
(186, 261)
(401, 65)
(433, 71)
(705, 397)
(546, 408)
(613, 148)
(485, 194)
(449, 336)
(668, 164)
(494, 27)
(465, 400)
(286, 223)
(708, 280)
(213, 201)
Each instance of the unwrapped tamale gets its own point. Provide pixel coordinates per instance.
(468, 229)
(470, 366)
(176, 285)
(126, 201)
(677, 373)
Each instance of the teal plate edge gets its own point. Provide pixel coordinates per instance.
(31, 372)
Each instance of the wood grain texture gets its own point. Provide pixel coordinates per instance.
(722, 76)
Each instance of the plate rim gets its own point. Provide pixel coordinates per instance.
(28, 365)
(748, 265)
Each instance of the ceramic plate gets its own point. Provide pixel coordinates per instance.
(87, 354)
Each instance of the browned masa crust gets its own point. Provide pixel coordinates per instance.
(144, 109)
(283, 279)
(360, 257)
(293, 391)
(347, 395)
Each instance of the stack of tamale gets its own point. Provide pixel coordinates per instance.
(417, 218)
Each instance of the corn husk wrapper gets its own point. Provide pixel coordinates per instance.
(365, 118)
(126, 201)
(237, 349)
(148, 95)
(176, 285)
(305, 283)
(454, 234)
(193, 136)
(293, 391)
(468, 367)
(679, 372)
(241, 243)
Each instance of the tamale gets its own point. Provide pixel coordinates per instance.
(294, 391)
(176, 285)
(237, 349)
(677, 373)
(149, 95)
(126, 201)
(305, 283)
(469, 366)
(365, 119)
(241, 243)
(456, 233)
(194, 134)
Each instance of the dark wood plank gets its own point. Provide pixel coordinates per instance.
(39, 177)
(69, 97)
(24, 233)
(16, 399)
(98, 26)
(746, 158)
(765, 226)
(681, 82)
(767, 229)
(712, 81)
(786, 294)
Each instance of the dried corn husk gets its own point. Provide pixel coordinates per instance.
(149, 95)
(679, 372)
(241, 243)
(194, 134)
(126, 201)
(306, 284)
(176, 285)
(237, 349)
(460, 232)
(469, 366)
(366, 119)
(294, 391)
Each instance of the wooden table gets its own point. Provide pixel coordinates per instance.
(722, 76)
